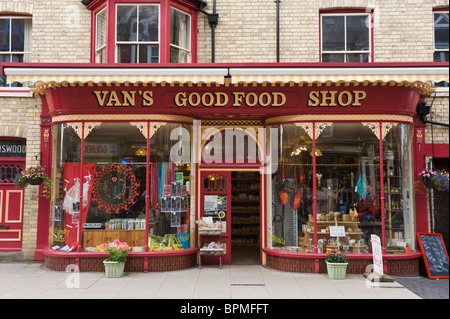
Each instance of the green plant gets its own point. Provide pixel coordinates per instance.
(434, 179)
(117, 250)
(34, 173)
(339, 258)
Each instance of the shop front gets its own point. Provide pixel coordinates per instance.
(257, 163)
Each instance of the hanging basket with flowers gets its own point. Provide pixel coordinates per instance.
(437, 180)
(34, 175)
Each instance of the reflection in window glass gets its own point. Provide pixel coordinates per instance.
(15, 43)
(112, 186)
(398, 190)
(345, 38)
(180, 37)
(441, 41)
(291, 198)
(100, 41)
(137, 34)
(348, 190)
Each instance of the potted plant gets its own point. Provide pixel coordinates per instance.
(117, 256)
(34, 175)
(336, 265)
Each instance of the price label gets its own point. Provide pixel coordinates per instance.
(337, 231)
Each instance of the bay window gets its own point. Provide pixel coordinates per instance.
(156, 31)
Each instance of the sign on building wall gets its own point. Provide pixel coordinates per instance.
(13, 148)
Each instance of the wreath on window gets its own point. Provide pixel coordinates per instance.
(115, 188)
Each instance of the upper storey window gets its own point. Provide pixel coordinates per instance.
(137, 34)
(441, 36)
(153, 31)
(15, 42)
(346, 37)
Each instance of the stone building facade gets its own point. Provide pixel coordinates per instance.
(246, 33)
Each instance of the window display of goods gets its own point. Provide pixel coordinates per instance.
(126, 223)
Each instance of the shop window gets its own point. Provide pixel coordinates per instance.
(441, 39)
(348, 189)
(116, 195)
(346, 37)
(15, 42)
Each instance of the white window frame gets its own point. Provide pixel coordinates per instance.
(9, 90)
(439, 89)
(187, 50)
(138, 43)
(345, 52)
(100, 48)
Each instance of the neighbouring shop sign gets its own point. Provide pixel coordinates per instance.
(13, 148)
(235, 99)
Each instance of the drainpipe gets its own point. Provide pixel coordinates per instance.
(213, 19)
(278, 30)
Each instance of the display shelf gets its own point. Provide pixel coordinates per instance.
(245, 210)
(211, 232)
(328, 243)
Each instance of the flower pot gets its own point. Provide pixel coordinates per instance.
(35, 180)
(337, 270)
(113, 269)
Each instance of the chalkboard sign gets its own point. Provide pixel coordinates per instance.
(434, 254)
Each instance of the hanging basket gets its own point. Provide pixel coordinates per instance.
(35, 180)
(337, 270)
(113, 269)
(429, 184)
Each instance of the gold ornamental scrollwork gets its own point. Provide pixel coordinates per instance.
(154, 126)
(375, 128)
(142, 127)
(318, 128)
(88, 127)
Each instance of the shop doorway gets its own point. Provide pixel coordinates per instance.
(11, 207)
(245, 218)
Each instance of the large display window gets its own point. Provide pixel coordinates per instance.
(331, 193)
(121, 182)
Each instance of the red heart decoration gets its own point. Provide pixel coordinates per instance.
(114, 179)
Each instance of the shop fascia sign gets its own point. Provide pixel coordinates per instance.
(185, 99)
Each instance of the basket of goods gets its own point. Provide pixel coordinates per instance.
(209, 228)
(212, 249)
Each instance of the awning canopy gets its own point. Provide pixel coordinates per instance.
(44, 76)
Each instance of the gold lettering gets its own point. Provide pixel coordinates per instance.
(205, 99)
(313, 100)
(197, 99)
(279, 99)
(113, 99)
(180, 99)
(359, 96)
(101, 97)
(128, 98)
(224, 97)
(147, 98)
(238, 97)
(249, 97)
(265, 99)
(326, 98)
(341, 99)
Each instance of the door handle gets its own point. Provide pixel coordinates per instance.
(4, 227)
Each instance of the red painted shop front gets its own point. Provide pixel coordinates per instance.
(241, 135)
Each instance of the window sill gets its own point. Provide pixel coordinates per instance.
(16, 92)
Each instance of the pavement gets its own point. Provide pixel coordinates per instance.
(31, 280)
